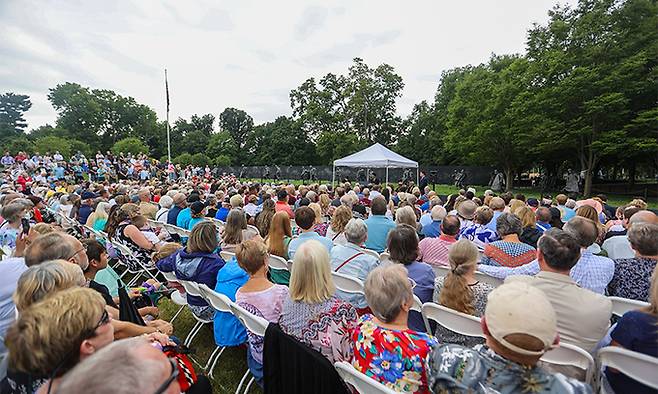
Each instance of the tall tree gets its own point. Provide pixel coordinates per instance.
(237, 123)
(12, 108)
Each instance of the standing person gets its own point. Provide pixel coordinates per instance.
(258, 296)
(379, 225)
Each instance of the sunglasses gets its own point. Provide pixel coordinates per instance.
(172, 376)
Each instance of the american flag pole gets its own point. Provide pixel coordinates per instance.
(168, 138)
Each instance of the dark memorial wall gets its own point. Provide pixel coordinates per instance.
(473, 175)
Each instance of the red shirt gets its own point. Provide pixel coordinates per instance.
(283, 206)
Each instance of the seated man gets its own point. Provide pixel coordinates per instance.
(434, 251)
(591, 272)
(520, 326)
(583, 317)
(379, 225)
(433, 228)
(305, 219)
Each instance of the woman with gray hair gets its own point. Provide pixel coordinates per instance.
(384, 347)
(349, 259)
(165, 205)
(509, 251)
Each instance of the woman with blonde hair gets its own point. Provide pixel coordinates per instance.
(98, 218)
(406, 215)
(515, 205)
(43, 279)
(336, 231)
(325, 204)
(460, 290)
(530, 233)
(197, 262)
(312, 313)
(319, 227)
(590, 213)
(264, 218)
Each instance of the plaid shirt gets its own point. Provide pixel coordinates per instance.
(590, 272)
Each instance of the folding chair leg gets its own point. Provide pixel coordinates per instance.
(249, 385)
(244, 377)
(212, 357)
(195, 330)
(214, 363)
(176, 314)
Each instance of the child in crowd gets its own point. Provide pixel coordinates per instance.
(142, 224)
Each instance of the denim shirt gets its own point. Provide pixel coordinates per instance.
(359, 267)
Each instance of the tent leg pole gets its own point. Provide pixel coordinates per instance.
(333, 177)
(418, 180)
(386, 177)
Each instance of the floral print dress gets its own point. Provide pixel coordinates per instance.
(397, 359)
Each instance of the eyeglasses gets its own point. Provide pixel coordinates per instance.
(83, 249)
(172, 376)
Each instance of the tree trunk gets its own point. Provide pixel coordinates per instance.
(588, 182)
(509, 179)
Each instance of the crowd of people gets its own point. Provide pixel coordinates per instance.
(560, 259)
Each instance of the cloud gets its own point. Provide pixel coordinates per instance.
(346, 51)
(216, 19)
(313, 19)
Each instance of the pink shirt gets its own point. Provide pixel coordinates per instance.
(434, 251)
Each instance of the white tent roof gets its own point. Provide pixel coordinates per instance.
(376, 156)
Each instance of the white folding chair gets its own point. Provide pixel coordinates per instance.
(370, 252)
(637, 366)
(220, 303)
(458, 322)
(257, 326)
(363, 384)
(176, 297)
(226, 255)
(418, 307)
(385, 258)
(348, 284)
(568, 354)
(622, 305)
(278, 263)
(155, 224)
(192, 288)
(133, 264)
(488, 279)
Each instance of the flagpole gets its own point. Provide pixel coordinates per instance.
(168, 138)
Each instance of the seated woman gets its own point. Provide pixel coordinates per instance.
(197, 262)
(235, 230)
(198, 212)
(264, 217)
(350, 260)
(98, 218)
(531, 233)
(312, 313)
(258, 296)
(336, 231)
(509, 251)
(319, 227)
(277, 242)
(636, 331)
(120, 228)
(12, 213)
(461, 291)
(402, 246)
(384, 347)
(478, 232)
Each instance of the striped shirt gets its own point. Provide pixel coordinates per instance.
(434, 251)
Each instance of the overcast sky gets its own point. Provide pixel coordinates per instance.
(245, 54)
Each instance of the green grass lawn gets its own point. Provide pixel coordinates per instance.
(614, 200)
(232, 363)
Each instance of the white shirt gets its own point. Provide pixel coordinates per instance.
(618, 247)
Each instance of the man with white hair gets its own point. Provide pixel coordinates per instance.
(146, 207)
(350, 260)
(433, 229)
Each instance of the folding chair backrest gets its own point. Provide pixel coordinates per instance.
(226, 255)
(568, 354)
(458, 322)
(191, 288)
(278, 263)
(218, 301)
(637, 366)
(253, 323)
(623, 305)
(418, 307)
(440, 270)
(385, 258)
(347, 283)
(155, 224)
(363, 384)
(370, 252)
(482, 277)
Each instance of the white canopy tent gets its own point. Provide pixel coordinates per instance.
(375, 156)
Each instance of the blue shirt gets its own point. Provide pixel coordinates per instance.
(303, 237)
(423, 275)
(378, 228)
(432, 230)
(543, 226)
(566, 213)
(228, 329)
(222, 213)
(590, 272)
(172, 215)
(11, 269)
(359, 267)
(193, 222)
(184, 218)
(492, 224)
